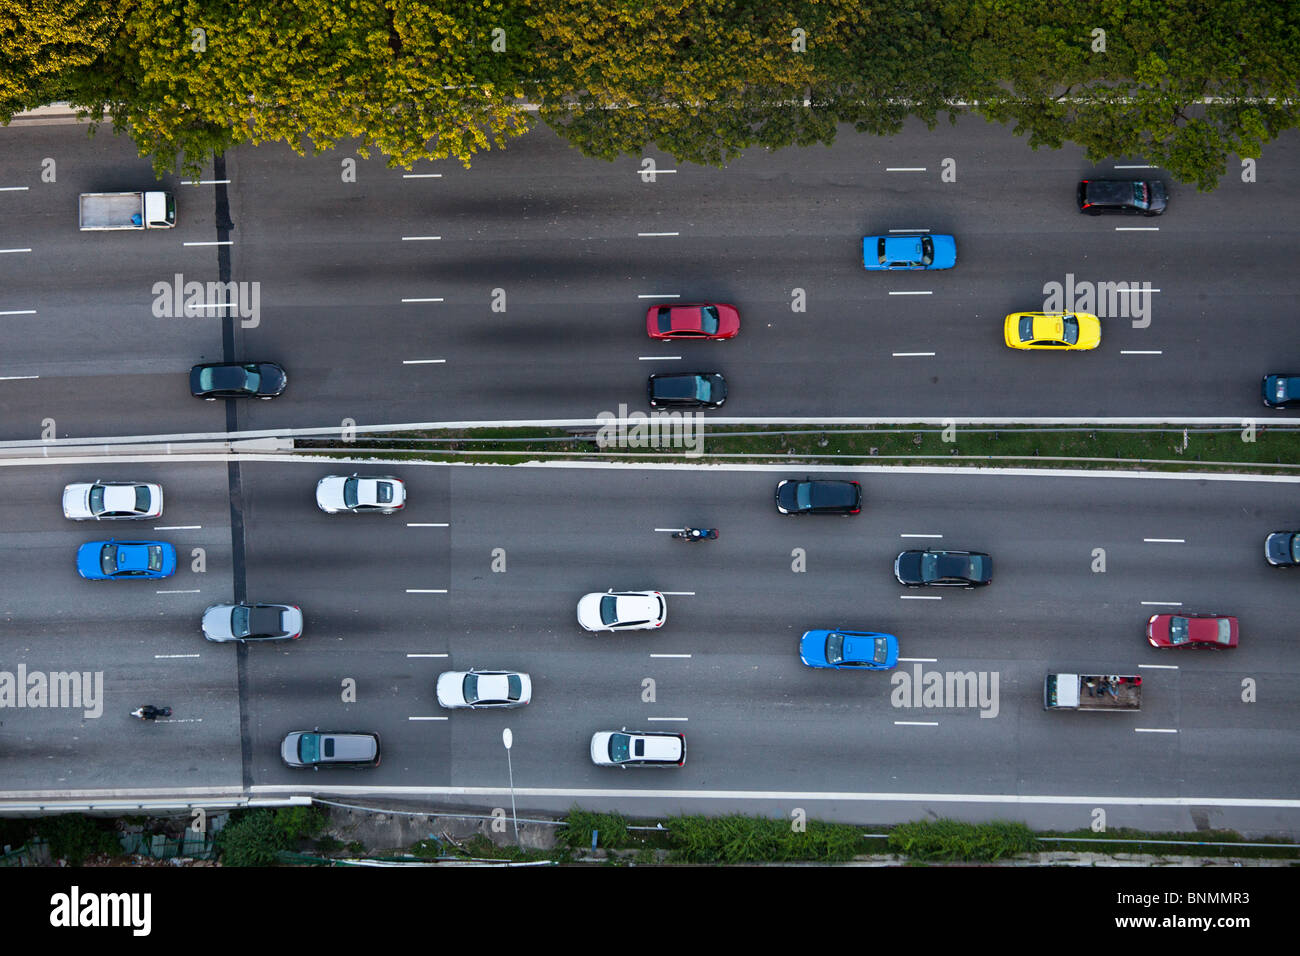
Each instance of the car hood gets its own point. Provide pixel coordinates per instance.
(945, 252)
(907, 566)
(450, 689)
(1278, 546)
(273, 379)
(329, 491)
(76, 501)
(216, 623)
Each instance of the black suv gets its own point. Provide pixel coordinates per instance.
(815, 496)
(687, 390)
(1130, 196)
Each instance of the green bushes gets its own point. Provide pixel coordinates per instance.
(578, 827)
(74, 837)
(950, 840)
(255, 837)
(739, 839)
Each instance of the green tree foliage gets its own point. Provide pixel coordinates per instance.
(46, 46)
(409, 79)
(1142, 96)
(700, 79)
(252, 840)
(74, 837)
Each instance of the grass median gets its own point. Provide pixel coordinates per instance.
(1254, 450)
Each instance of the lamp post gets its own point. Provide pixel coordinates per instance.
(508, 739)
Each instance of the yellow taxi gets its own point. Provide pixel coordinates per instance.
(1067, 331)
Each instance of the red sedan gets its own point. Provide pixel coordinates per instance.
(705, 320)
(1192, 630)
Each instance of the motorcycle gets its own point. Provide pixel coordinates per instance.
(696, 534)
(150, 712)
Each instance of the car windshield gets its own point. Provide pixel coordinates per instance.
(239, 621)
(470, 688)
(155, 557)
(1178, 630)
(709, 320)
(1295, 548)
(1026, 328)
(618, 747)
(835, 649)
(927, 250)
(142, 501)
(609, 609)
(1225, 631)
(978, 565)
(514, 687)
(108, 559)
(703, 389)
(882, 650)
(665, 319)
(309, 748)
(1140, 193)
(1070, 329)
(96, 499)
(350, 492)
(803, 496)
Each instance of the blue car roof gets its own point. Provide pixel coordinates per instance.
(899, 248)
(133, 557)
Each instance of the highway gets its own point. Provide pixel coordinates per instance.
(724, 668)
(383, 297)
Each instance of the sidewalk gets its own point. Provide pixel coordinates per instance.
(51, 115)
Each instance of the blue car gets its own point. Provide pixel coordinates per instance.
(855, 650)
(114, 560)
(921, 251)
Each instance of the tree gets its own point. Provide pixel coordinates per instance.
(46, 46)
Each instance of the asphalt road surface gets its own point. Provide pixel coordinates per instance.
(383, 297)
(391, 601)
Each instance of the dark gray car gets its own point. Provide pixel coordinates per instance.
(687, 390)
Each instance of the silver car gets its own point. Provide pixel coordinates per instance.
(357, 493)
(106, 500)
(252, 622)
(330, 748)
(622, 611)
(477, 689)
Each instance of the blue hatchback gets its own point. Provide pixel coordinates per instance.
(857, 650)
(112, 560)
(921, 251)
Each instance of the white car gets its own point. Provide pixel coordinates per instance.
(101, 500)
(633, 748)
(252, 622)
(622, 611)
(475, 689)
(357, 493)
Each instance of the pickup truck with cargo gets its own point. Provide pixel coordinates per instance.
(140, 210)
(1112, 692)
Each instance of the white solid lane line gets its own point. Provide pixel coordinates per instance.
(19, 312)
(680, 593)
(909, 231)
(652, 235)
(1160, 667)
(223, 242)
(920, 536)
(683, 656)
(420, 238)
(177, 527)
(16, 378)
(194, 591)
(424, 361)
(1139, 352)
(920, 597)
(427, 524)
(426, 590)
(912, 293)
(660, 295)
(918, 660)
(1165, 540)
(916, 723)
(15, 250)
(1162, 603)
(675, 719)
(422, 175)
(659, 358)
(423, 300)
(174, 657)
(428, 655)
(910, 354)
(1154, 730)
(426, 718)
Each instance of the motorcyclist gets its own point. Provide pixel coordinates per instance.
(150, 712)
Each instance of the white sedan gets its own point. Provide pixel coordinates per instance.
(475, 689)
(622, 611)
(357, 493)
(101, 500)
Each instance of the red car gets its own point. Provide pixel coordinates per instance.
(1192, 630)
(704, 320)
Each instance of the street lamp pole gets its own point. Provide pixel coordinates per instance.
(507, 738)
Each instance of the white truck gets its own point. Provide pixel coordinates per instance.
(1112, 692)
(142, 210)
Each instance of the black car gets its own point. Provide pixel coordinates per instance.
(1280, 390)
(1282, 549)
(687, 390)
(1131, 196)
(237, 380)
(812, 496)
(950, 569)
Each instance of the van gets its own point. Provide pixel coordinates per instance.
(330, 748)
